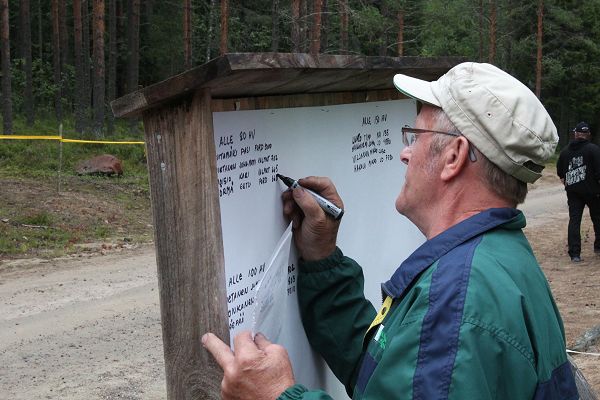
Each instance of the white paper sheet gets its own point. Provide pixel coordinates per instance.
(358, 147)
(270, 295)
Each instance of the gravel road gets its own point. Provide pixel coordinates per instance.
(83, 328)
(545, 205)
(89, 327)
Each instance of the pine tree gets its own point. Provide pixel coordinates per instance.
(112, 61)
(211, 25)
(81, 105)
(343, 26)
(6, 75)
(133, 45)
(538, 64)
(56, 60)
(223, 48)
(86, 59)
(315, 33)
(493, 26)
(187, 34)
(275, 26)
(98, 56)
(296, 26)
(25, 14)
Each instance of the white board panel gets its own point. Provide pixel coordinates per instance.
(358, 147)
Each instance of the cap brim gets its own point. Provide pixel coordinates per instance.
(416, 88)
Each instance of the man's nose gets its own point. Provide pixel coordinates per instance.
(405, 154)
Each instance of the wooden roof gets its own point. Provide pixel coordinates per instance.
(263, 74)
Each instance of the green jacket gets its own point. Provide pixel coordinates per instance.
(471, 317)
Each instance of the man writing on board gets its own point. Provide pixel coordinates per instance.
(469, 315)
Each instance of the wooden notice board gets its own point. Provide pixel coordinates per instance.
(216, 135)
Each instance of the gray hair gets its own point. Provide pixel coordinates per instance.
(504, 185)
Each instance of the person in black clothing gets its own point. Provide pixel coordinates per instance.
(578, 168)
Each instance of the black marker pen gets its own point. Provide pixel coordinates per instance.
(325, 204)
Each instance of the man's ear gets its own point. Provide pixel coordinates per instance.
(455, 158)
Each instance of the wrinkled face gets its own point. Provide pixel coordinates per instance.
(421, 179)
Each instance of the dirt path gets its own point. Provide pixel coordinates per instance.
(84, 328)
(576, 287)
(89, 328)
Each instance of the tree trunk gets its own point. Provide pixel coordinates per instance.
(64, 37)
(296, 26)
(133, 46)
(146, 29)
(493, 24)
(480, 30)
(325, 27)
(275, 26)
(512, 38)
(383, 9)
(538, 64)
(112, 60)
(80, 103)
(65, 93)
(303, 25)
(315, 35)
(27, 65)
(187, 34)
(5, 54)
(133, 67)
(400, 33)
(40, 32)
(211, 25)
(343, 26)
(87, 65)
(98, 56)
(224, 26)
(56, 59)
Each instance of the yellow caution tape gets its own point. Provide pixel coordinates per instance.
(98, 141)
(60, 138)
(26, 137)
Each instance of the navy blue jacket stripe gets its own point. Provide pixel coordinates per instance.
(366, 370)
(436, 247)
(441, 324)
(560, 386)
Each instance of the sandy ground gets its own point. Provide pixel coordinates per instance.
(84, 328)
(89, 327)
(576, 287)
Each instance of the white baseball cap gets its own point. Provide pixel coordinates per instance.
(496, 112)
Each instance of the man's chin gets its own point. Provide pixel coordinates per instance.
(401, 206)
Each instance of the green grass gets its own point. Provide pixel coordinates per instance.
(36, 220)
(41, 218)
(41, 158)
(102, 231)
(41, 242)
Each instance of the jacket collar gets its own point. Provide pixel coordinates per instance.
(438, 246)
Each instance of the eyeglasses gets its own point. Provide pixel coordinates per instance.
(410, 135)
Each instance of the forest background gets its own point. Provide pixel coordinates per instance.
(63, 61)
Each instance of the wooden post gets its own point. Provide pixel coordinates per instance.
(187, 230)
(60, 156)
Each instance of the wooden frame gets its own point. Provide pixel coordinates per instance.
(177, 115)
